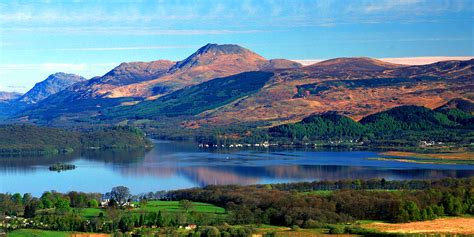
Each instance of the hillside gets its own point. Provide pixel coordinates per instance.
(318, 127)
(33, 140)
(356, 91)
(399, 125)
(196, 99)
(412, 118)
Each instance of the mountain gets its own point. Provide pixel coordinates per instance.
(50, 86)
(186, 91)
(130, 83)
(5, 96)
(209, 62)
(354, 87)
(352, 64)
(6, 105)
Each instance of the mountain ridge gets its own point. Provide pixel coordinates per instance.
(355, 87)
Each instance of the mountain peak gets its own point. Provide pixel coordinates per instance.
(210, 53)
(222, 48)
(53, 84)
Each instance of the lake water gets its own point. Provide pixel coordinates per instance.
(175, 165)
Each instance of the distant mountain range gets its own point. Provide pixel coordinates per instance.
(5, 96)
(228, 84)
(52, 85)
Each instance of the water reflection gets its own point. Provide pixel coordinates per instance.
(172, 165)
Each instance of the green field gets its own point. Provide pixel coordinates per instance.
(34, 233)
(173, 206)
(155, 206)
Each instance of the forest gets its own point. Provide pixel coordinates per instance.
(34, 140)
(399, 126)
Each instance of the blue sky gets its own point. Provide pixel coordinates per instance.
(38, 38)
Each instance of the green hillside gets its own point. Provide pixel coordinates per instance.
(196, 99)
(34, 140)
(397, 126)
(320, 126)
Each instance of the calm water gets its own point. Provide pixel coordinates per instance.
(174, 165)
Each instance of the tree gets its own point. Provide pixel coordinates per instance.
(211, 231)
(93, 203)
(30, 210)
(186, 205)
(120, 194)
(62, 205)
(126, 223)
(27, 198)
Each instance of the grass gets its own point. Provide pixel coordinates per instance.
(174, 206)
(34, 233)
(155, 206)
(91, 212)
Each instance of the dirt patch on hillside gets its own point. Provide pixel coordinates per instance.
(459, 225)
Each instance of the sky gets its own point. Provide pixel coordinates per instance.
(40, 37)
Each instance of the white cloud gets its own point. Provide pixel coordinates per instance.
(124, 31)
(389, 5)
(423, 60)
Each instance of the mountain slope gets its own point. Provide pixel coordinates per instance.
(50, 86)
(464, 105)
(353, 64)
(209, 62)
(196, 99)
(319, 126)
(296, 93)
(407, 118)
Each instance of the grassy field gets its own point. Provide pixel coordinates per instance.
(173, 206)
(34, 233)
(46, 233)
(155, 206)
(452, 225)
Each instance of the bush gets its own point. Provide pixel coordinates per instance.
(337, 230)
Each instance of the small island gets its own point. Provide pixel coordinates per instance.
(58, 167)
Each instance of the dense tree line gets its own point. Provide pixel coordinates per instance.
(273, 204)
(34, 140)
(399, 126)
